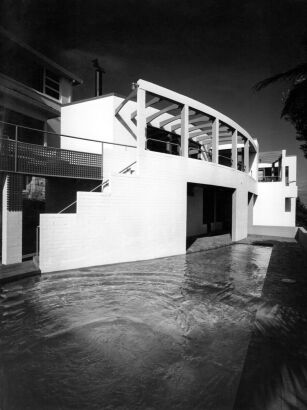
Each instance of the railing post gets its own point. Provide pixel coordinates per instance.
(16, 148)
(246, 156)
(215, 141)
(141, 119)
(101, 165)
(185, 131)
(234, 149)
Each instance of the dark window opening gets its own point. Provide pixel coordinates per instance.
(287, 175)
(52, 85)
(287, 204)
(162, 141)
(225, 157)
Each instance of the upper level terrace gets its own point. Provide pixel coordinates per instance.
(164, 121)
(151, 118)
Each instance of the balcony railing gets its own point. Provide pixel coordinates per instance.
(165, 147)
(33, 159)
(269, 179)
(195, 152)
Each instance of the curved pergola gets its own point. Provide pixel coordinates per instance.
(191, 120)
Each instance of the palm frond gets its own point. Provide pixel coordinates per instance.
(293, 74)
(296, 101)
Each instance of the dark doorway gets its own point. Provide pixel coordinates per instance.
(209, 211)
(30, 220)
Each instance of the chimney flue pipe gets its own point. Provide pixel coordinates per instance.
(99, 71)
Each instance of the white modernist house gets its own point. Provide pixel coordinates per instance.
(171, 168)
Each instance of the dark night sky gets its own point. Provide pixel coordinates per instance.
(211, 50)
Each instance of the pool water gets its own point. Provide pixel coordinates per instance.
(168, 333)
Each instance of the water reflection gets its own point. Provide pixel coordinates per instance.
(170, 333)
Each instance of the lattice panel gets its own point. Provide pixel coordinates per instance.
(14, 198)
(7, 155)
(48, 161)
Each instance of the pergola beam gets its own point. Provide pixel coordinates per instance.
(200, 138)
(160, 112)
(200, 127)
(174, 118)
(148, 104)
(195, 127)
(124, 102)
(197, 133)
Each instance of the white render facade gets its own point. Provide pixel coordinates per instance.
(174, 168)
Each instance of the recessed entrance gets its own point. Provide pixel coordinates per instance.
(209, 211)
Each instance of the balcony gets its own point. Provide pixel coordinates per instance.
(271, 178)
(18, 154)
(22, 151)
(32, 159)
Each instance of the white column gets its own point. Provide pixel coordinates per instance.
(215, 141)
(185, 131)
(234, 149)
(11, 228)
(239, 214)
(283, 168)
(246, 156)
(141, 119)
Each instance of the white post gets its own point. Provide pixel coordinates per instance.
(11, 226)
(283, 168)
(246, 156)
(141, 119)
(239, 214)
(185, 131)
(215, 141)
(234, 149)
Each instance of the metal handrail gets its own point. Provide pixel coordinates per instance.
(67, 136)
(53, 148)
(164, 142)
(241, 167)
(98, 186)
(272, 178)
(200, 150)
(228, 159)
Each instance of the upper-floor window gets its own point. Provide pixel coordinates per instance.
(287, 175)
(51, 84)
(287, 204)
(21, 65)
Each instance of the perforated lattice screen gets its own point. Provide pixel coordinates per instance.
(14, 197)
(48, 161)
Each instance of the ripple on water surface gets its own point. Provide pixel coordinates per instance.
(168, 333)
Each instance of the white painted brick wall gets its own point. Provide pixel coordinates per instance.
(142, 217)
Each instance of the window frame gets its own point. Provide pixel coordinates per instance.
(52, 79)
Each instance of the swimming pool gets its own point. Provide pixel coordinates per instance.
(169, 333)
